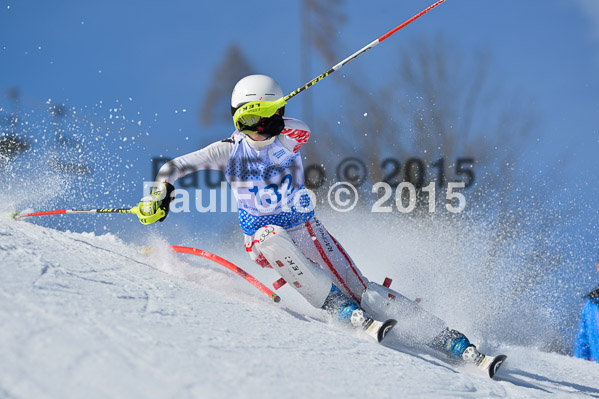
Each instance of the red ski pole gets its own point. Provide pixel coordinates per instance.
(362, 50)
(17, 215)
(262, 109)
(223, 262)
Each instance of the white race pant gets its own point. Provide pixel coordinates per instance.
(309, 258)
(321, 251)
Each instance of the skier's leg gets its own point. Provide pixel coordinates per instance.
(451, 342)
(311, 281)
(253, 252)
(322, 249)
(315, 242)
(308, 279)
(415, 324)
(377, 301)
(455, 344)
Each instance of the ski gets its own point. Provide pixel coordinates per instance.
(488, 365)
(494, 363)
(378, 329)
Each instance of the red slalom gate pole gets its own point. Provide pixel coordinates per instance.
(188, 250)
(223, 262)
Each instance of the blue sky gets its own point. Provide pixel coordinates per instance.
(156, 59)
(162, 56)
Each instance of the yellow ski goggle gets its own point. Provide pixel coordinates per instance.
(250, 114)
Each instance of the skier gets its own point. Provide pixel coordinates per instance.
(587, 340)
(262, 163)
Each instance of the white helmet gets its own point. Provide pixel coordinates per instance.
(255, 88)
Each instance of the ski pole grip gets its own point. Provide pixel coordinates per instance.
(148, 219)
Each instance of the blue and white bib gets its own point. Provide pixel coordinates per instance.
(269, 185)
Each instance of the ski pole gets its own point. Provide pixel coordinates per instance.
(362, 51)
(267, 108)
(145, 219)
(17, 215)
(223, 262)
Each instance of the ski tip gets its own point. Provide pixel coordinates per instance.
(496, 364)
(385, 328)
(15, 215)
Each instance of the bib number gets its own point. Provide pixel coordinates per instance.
(273, 193)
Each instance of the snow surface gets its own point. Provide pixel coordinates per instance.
(92, 316)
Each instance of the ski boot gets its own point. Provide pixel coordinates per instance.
(484, 363)
(349, 312)
(458, 347)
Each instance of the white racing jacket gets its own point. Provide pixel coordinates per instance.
(268, 180)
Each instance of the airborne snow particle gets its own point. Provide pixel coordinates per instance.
(365, 113)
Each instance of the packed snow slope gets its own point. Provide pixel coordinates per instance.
(91, 316)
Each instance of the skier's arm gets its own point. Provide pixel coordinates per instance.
(155, 207)
(214, 157)
(295, 134)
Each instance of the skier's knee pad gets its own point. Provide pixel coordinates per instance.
(383, 303)
(308, 279)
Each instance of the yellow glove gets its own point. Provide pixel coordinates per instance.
(154, 207)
